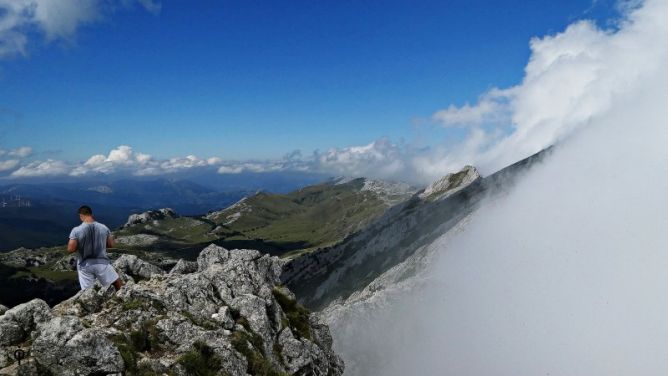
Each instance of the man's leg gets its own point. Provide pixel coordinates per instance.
(108, 276)
(86, 278)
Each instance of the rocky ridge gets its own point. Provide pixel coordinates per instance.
(150, 216)
(334, 273)
(225, 314)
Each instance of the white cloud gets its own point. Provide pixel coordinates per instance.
(489, 110)
(9, 164)
(380, 158)
(56, 19)
(42, 168)
(15, 158)
(122, 159)
(21, 152)
(230, 169)
(571, 77)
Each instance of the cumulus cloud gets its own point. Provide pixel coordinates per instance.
(11, 159)
(20, 152)
(49, 167)
(490, 109)
(56, 20)
(564, 274)
(571, 77)
(9, 164)
(122, 159)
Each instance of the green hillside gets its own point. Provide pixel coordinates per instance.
(285, 224)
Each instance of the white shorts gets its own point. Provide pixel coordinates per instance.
(89, 273)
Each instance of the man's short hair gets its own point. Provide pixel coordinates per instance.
(85, 210)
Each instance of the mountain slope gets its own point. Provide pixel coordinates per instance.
(337, 272)
(282, 224)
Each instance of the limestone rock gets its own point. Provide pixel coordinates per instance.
(226, 312)
(136, 267)
(66, 347)
(184, 267)
(28, 315)
(149, 216)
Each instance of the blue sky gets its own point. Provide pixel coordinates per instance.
(258, 79)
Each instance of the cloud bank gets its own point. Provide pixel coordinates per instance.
(566, 274)
(54, 19)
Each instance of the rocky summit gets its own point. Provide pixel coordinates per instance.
(149, 216)
(225, 314)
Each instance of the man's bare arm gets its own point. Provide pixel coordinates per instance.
(110, 242)
(72, 246)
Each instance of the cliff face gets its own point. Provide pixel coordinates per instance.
(226, 314)
(334, 273)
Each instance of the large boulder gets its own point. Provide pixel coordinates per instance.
(65, 347)
(136, 268)
(28, 315)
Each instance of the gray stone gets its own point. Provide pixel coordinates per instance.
(65, 347)
(136, 267)
(4, 357)
(210, 255)
(254, 309)
(11, 333)
(29, 314)
(85, 302)
(184, 267)
(150, 216)
(224, 317)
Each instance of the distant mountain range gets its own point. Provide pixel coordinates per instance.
(52, 210)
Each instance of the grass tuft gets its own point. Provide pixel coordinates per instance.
(297, 315)
(201, 361)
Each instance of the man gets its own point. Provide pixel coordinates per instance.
(90, 240)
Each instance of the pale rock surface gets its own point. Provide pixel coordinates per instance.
(226, 310)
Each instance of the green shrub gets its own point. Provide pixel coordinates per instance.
(201, 361)
(298, 315)
(142, 340)
(257, 361)
(131, 304)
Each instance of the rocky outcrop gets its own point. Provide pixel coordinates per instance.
(336, 272)
(450, 184)
(226, 314)
(25, 257)
(184, 267)
(136, 268)
(149, 216)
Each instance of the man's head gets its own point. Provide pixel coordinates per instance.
(85, 212)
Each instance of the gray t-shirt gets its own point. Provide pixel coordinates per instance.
(92, 243)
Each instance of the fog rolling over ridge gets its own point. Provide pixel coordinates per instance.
(567, 273)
